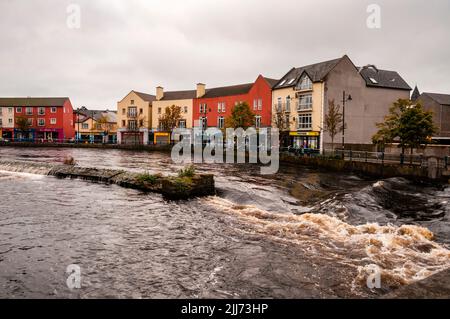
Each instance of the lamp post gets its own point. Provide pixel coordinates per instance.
(345, 98)
(78, 124)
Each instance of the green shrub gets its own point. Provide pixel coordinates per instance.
(188, 171)
(148, 178)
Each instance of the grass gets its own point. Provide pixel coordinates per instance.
(188, 171)
(148, 178)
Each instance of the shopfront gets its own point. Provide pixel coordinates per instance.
(49, 135)
(305, 140)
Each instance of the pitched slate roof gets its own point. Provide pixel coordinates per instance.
(86, 114)
(179, 95)
(146, 97)
(316, 73)
(33, 101)
(443, 99)
(384, 79)
(238, 89)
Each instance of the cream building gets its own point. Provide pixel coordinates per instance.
(134, 118)
(302, 96)
(6, 122)
(183, 99)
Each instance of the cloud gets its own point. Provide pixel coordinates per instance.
(133, 44)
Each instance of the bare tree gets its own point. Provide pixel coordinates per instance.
(171, 118)
(282, 121)
(333, 121)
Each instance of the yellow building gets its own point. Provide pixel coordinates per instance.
(183, 99)
(94, 126)
(134, 118)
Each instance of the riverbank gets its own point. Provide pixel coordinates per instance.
(171, 187)
(430, 173)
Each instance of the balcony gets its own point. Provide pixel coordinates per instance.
(132, 115)
(283, 107)
(304, 107)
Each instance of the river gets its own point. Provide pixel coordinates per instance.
(299, 233)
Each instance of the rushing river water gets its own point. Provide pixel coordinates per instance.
(300, 233)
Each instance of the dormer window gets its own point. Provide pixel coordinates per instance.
(305, 83)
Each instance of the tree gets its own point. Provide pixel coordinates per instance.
(103, 124)
(281, 121)
(171, 118)
(407, 123)
(241, 116)
(333, 121)
(23, 124)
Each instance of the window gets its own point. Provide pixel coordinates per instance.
(282, 83)
(53, 121)
(260, 104)
(255, 104)
(203, 107)
(124, 111)
(41, 122)
(53, 109)
(291, 81)
(1, 122)
(224, 108)
(288, 104)
(29, 111)
(41, 111)
(124, 123)
(280, 105)
(185, 109)
(132, 102)
(221, 122)
(132, 125)
(182, 124)
(305, 121)
(10, 110)
(305, 83)
(221, 107)
(141, 123)
(132, 112)
(18, 110)
(10, 121)
(159, 110)
(287, 122)
(373, 81)
(85, 126)
(30, 122)
(141, 111)
(98, 126)
(305, 102)
(257, 121)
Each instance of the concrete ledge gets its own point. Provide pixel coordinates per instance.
(148, 148)
(174, 188)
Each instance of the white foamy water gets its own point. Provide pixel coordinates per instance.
(404, 253)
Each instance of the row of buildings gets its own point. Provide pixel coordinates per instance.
(301, 98)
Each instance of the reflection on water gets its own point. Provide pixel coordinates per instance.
(262, 236)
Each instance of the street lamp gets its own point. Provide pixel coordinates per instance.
(78, 124)
(345, 98)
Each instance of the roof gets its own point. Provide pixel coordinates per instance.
(238, 89)
(228, 90)
(146, 97)
(97, 115)
(33, 101)
(179, 95)
(316, 72)
(443, 99)
(384, 79)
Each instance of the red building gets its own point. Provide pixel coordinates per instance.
(216, 104)
(49, 119)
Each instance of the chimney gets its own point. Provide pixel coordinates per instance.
(201, 90)
(159, 93)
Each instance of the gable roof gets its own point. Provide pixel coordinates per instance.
(96, 115)
(228, 90)
(272, 82)
(146, 97)
(316, 72)
(384, 79)
(443, 99)
(33, 101)
(179, 95)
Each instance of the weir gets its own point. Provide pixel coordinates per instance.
(174, 188)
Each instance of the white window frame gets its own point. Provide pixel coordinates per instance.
(255, 105)
(305, 83)
(41, 122)
(85, 126)
(53, 121)
(19, 109)
(305, 102)
(29, 111)
(182, 121)
(54, 108)
(288, 103)
(302, 124)
(220, 122)
(260, 104)
(41, 110)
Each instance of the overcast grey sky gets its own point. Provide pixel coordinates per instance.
(136, 44)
